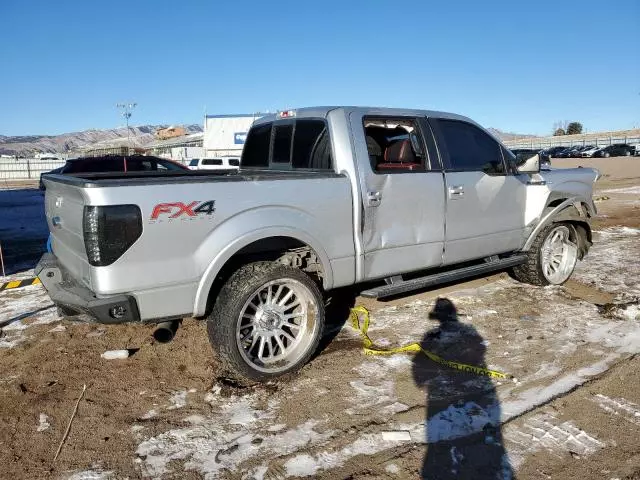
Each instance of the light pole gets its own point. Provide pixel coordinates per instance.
(126, 113)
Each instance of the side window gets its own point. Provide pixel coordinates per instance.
(470, 149)
(282, 143)
(256, 148)
(395, 145)
(311, 146)
(212, 161)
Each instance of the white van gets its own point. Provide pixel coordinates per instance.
(219, 163)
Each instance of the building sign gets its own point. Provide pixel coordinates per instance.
(239, 138)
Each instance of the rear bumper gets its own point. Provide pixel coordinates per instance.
(76, 299)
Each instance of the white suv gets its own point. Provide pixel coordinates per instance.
(219, 163)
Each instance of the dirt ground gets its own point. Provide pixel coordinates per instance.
(570, 409)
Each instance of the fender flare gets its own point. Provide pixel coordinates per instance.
(574, 208)
(214, 267)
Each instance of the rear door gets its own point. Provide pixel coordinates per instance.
(485, 200)
(402, 194)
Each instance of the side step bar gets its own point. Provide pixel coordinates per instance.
(397, 288)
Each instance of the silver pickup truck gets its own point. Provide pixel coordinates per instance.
(395, 199)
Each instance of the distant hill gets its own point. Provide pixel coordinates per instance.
(28, 145)
(504, 136)
(69, 142)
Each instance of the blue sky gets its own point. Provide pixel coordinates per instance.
(517, 66)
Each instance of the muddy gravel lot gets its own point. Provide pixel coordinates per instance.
(570, 409)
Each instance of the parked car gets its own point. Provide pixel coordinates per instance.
(114, 163)
(577, 152)
(523, 154)
(588, 151)
(220, 163)
(569, 152)
(616, 150)
(553, 151)
(327, 197)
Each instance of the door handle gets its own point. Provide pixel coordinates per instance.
(374, 198)
(456, 191)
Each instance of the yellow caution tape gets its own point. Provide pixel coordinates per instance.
(19, 283)
(371, 348)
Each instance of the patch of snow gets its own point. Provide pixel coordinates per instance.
(371, 395)
(276, 428)
(150, 414)
(535, 396)
(619, 406)
(21, 309)
(195, 419)
(240, 411)
(632, 312)
(210, 449)
(394, 408)
(59, 328)
(392, 468)
(213, 394)
(611, 260)
(43, 423)
(178, 400)
(396, 436)
(92, 475)
(461, 421)
(544, 431)
(305, 465)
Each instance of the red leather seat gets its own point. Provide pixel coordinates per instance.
(399, 156)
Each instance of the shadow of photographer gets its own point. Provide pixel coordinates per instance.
(463, 433)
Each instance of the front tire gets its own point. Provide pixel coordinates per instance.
(267, 321)
(551, 258)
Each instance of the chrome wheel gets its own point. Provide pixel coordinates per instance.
(277, 325)
(558, 255)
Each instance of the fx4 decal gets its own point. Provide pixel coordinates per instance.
(182, 211)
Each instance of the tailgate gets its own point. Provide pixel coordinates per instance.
(64, 206)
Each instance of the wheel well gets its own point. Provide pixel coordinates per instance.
(287, 250)
(556, 202)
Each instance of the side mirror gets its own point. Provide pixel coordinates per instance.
(530, 165)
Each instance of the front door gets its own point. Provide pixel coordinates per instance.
(402, 194)
(485, 202)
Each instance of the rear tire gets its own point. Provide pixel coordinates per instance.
(267, 321)
(551, 258)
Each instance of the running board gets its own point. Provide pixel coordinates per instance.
(397, 288)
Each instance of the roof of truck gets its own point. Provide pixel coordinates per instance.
(322, 112)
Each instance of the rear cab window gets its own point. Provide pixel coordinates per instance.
(302, 143)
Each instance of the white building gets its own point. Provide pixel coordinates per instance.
(224, 135)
